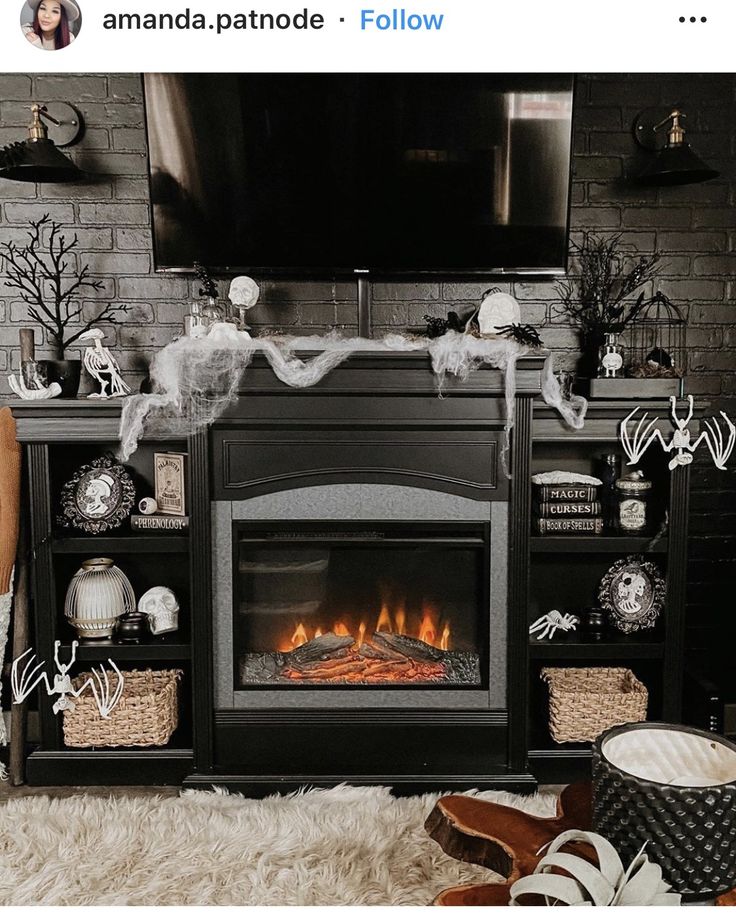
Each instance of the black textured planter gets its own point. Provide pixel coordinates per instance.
(674, 787)
(587, 365)
(66, 373)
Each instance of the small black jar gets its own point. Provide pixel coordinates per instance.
(132, 628)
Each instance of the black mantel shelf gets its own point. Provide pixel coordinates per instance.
(365, 376)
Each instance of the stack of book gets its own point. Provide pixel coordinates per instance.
(567, 509)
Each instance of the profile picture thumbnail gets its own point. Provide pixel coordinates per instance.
(50, 25)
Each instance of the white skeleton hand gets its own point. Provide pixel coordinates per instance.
(18, 386)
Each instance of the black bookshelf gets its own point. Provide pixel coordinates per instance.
(59, 435)
(563, 569)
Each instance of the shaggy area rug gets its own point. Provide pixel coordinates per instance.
(345, 846)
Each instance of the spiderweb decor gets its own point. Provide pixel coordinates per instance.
(195, 380)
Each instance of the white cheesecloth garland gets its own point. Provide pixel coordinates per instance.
(195, 380)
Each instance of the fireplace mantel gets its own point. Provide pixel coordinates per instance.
(375, 429)
(367, 376)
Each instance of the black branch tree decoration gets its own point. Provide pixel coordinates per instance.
(604, 275)
(43, 275)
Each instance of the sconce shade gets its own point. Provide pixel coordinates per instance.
(676, 165)
(673, 161)
(37, 160)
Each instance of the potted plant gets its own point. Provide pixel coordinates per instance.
(605, 273)
(42, 273)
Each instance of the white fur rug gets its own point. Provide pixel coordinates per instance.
(345, 846)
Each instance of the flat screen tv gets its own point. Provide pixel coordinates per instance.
(327, 175)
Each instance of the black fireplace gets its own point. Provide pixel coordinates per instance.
(365, 563)
(330, 604)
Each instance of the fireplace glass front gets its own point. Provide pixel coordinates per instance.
(341, 605)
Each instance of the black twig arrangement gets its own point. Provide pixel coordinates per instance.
(42, 273)
(209, 286)
(605, 273)
(524, 334)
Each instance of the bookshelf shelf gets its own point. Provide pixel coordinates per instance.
(617, 544)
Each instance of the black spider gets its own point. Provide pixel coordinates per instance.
(524, 334)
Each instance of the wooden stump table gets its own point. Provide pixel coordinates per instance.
(500, 838)
(507, 841)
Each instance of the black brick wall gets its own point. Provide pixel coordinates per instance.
(694, 225)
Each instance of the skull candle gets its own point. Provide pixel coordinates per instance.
(243, 296)
(162, 608)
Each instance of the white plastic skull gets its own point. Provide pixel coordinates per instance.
(498, 309)
(162, 608)
(243, 292)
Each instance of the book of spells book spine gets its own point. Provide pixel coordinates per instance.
(568, 525)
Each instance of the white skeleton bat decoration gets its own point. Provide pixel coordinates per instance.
(720, 446)
(32, 675)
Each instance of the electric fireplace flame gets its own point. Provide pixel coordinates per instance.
(299, 637)
(425, 630)
(395, 647)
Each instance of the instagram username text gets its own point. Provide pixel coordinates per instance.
(187, 20)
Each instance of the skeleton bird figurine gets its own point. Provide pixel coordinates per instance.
(101, 364)
(645, 433)
(32, 675)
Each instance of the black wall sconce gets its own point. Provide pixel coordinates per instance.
(673, 161)
(38, 158)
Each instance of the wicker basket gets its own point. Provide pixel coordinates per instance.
(146, 715)
(585, 702)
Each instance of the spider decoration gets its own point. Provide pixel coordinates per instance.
(106, 697)
(524, 334)
(551, 622)
(637, 442)
(439, 326)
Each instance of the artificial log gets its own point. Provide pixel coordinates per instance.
(327, 671)
(336, 658)
(378, 652)
(320, 648)
(405, 646)
(500, 838)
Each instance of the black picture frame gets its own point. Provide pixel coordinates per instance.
(632, 593)
(99, 497)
